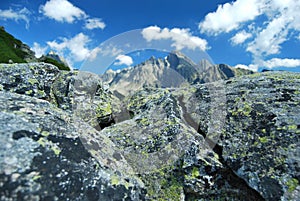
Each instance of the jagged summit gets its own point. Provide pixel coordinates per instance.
(180, 56)
(52, 54)
(53, 58)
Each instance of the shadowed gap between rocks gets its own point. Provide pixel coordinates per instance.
(227, 173)
(232, 178)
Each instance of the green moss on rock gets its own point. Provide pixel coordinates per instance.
(292, 184)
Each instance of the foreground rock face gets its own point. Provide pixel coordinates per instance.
(44, 156)
(172, 159)
(70, 91)
(260, 134)
(50, 154)
(227, 140)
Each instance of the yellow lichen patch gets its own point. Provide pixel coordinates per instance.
(33, 81)
(114, 180)
(292, 184)
(195, 172)
(45, 133)
(42, 141)
(29, 92)
(292, 127)
(56, 150)
(36, 177)
(143, 121)
(263, 140)
(54, 147)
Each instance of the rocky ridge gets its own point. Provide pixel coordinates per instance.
(226, 140)
(173, 71)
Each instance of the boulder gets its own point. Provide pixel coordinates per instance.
(258, 131)
(78, 93)
(173, 160)
(46, 154)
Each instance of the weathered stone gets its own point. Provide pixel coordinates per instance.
(260, 135)
(173, 160)
(32, 79)
(79, 93)
(46, 154)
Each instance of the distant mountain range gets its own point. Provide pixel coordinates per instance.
(173, 71)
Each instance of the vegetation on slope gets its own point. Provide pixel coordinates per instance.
(60, 65)
(13, 50)
(10, 48)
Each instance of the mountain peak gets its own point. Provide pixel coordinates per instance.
(176, 57)
(54, 55)
(178, 53)
(52, 52)
(152, 58)
(55, 59)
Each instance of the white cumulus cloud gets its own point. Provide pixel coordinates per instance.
(93, 54)
(272, 63)
(281, 23)
(230, 16)
(76, 47)
(284, 18)
(278, 62)
(62, 11)
(269, 40)
(19, 14)
(94, 23)
(123, 60)
(240, 37)
(38, 49)
(181, 38)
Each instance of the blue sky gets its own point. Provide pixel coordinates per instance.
(252, 34)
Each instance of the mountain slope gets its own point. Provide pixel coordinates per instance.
(183, 65)
(220, 72)
(13, 50)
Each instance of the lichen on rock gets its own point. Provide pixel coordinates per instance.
(45, 156)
